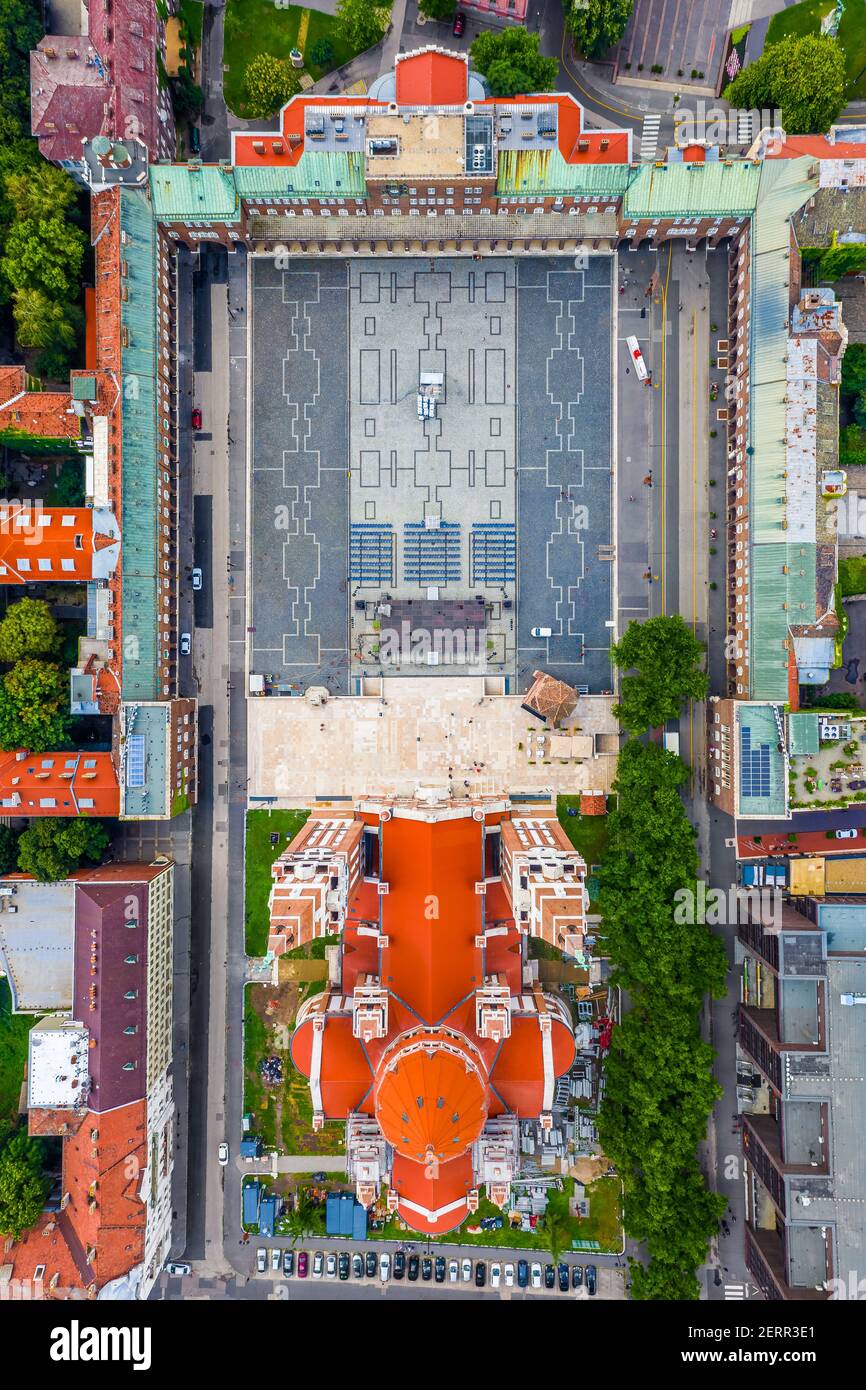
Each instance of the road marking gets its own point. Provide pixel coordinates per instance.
(593, 100)
(649, 139)
(745, 129)
(664, 415)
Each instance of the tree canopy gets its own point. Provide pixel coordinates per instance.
(23, 1185)
(597, 24)
(28, 628)
(269, 83)
(665, 654)
(8, 849)
(34, 706)
(52, 846)
(44, 253)
(361, 23)
(511, 62)
(803, 77)
(437, 9)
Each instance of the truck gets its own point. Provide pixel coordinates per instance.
(672, 741)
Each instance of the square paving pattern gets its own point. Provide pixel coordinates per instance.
(501, 493)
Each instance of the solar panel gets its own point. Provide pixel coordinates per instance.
(135, 760)
(754, 766)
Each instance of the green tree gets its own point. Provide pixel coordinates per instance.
(23, 1184)
(803, 77)
(8, 849)
(20, 31)
(41, 322)
(43, 192)
(597, 24)
(361, 23)
(511, 62)
(52, 846)
(34, 706)
(854, 370)
(554, 1229)
(665, 654)
(44, 253)
(28, 628)
(321, 53)
(841, 260)
(186, 95)
(305, 1219)
(437, 9)
(269, 83)
(69, 488)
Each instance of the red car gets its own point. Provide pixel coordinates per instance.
(303, 1260)
(459, 24)
(196, 419)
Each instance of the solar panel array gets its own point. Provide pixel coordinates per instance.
(754, 766)
(135, 745)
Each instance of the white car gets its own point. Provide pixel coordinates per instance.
(185, 643)
(495, 1275)
(846, 834)
(177, 1267)
(541, 632)
(261, 1259)
(196, 579)
(509, 1276)
(331, 1266)
(275, 1259)
(466, 1271)
(453, 1271)
(385, 1267)
(223, 1154)
(535, 1275)
(318, 1264)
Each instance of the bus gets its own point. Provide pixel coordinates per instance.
(637, 358)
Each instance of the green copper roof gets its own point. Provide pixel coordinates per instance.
(194, 192)
(338, 174)
(700, 190)
(546, 172)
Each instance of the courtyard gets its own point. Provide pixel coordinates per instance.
(488, 515)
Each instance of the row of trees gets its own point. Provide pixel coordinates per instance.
(664, 660)
(34, 693)
(43, 245)
(659, 1086)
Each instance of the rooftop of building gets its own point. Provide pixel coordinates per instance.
(59, 784)
(144, 754)
(37, 935)
(57, 1066)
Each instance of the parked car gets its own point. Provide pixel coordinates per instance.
(541, 632)
(185, 643)
(549, 1277)
(261, 1259)
(223, 1154)
(536, 1275)
(576, 1276)
(303, 1264)
(288, 1263)
(371, 1264)
(439, 1269)
(459, 24)
(195, 139)
(414, 1263)
(318, 1265)
(385, 1267)
(178, 1268)
(275, 1260)
(856, 784)
(522, 1274)
(330, 1264)
(399, 1265)
(358, 1265)
(562, 1272)
(344, 1264)
(466, 1271)
(509, 1276)
(591, 1275)
(847, 834)
(426, 1269)
(480, 1274)
(453, 1271)
(196, 579)
(196, 419)
(495, 1275)
(491, 1223)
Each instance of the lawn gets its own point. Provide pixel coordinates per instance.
(283, 1114)
(260, 855)
(806, 17)
(191, 15)
(257, 26)
(852, 575)
(588, 834)
(14, 1030)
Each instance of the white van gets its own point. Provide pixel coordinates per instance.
(636, 356)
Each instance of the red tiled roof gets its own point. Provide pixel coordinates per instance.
(48, 414)
(815, 146)
(593, 804)
(64, 779)
(435, 1201)
(519, 1070)
(42, 543)
(431, 77)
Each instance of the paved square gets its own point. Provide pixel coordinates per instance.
(499, 493)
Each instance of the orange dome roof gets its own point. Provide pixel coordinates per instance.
(431, 1099)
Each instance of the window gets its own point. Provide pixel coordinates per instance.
(68, 521)
(67, 565)
(45, 566)
(24, 566)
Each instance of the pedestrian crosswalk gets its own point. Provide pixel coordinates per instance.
(649, 138)
(745, 131)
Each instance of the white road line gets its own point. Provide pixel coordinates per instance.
(650, 137)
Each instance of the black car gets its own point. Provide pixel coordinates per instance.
(371, 1265)
(549, 1277)
(576, 1276)
(459, 24)
(288, 1263)
(399, 1265)
(562, 1272)
(480, 1274)
(426, 1268)
(358, 1266)
(522, 1274)
(413, 1267)
(195, 139)
(440, 1269)
(343, 1265)
(591, 1275)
